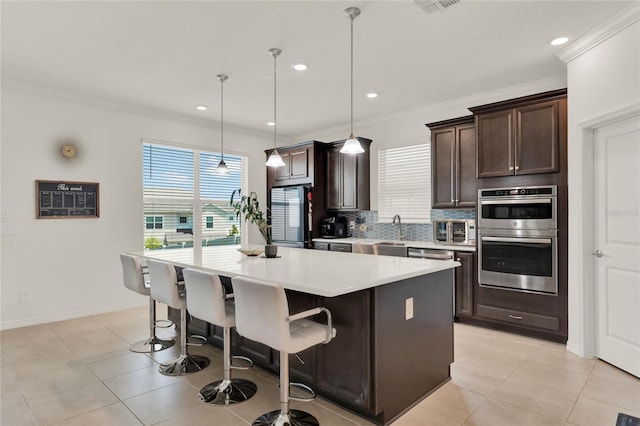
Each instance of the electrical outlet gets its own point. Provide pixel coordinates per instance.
(352, 224)
(408, 308)
(25, 295)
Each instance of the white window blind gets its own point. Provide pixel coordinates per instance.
(185, 202)
(404, 184)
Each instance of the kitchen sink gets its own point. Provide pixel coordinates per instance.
(382, 248)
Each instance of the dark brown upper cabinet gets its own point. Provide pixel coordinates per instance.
(519, 136)
(305, 164)
(348, 184)
(453, 163)
(296, 164)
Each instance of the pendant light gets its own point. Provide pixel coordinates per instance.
(352, 145)
(222, 167)
(274, 159)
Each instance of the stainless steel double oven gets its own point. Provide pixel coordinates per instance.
(518, 239)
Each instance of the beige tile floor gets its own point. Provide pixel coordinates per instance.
(80, 372)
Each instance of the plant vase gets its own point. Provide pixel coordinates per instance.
(270, 250)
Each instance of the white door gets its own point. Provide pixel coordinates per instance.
(617, 243)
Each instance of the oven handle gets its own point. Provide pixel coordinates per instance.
(518, 240)
(519, 201)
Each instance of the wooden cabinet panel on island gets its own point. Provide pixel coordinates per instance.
(453, 163)
(348, 183)
(520, 136)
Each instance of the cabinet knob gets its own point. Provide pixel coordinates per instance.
(510, 168)
(457, 259)
(515, 317)
(517, 167)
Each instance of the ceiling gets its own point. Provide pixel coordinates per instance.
(165, 55)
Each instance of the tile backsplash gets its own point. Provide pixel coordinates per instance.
(412, 231)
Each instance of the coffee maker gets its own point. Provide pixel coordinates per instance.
(334, 227)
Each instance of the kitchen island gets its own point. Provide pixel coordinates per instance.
(393, 316)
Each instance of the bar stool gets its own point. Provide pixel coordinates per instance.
(262, 315)
(207, 300)
(165, 289)
(133, 275)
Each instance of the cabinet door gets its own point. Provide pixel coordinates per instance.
(466, 182)
(282, 173)
(465, 282)
(299, 164)
(443, 168)
(495, 143)
(334, 179)
(349, 185)
(537, 147)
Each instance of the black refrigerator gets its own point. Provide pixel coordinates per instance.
(290, 216)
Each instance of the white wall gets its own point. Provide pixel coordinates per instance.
(603, 80)
(71, 266)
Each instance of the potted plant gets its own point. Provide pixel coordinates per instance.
(249, 207)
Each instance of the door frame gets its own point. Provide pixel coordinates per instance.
(582, 311)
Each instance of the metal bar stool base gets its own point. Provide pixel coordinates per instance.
(184, 364)
(152, 344)
(227, 392)
(295, 418)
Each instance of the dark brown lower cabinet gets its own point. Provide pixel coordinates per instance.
(465, 283)
(381, 362)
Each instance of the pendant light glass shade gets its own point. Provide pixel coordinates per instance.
(222, 166)
(352, 145)
(274, 159)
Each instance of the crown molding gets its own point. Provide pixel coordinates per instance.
(601, 33)
(81, 99)
(441, 111)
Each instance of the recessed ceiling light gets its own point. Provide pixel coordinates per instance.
(201, 107)
(270, 123)
(300, 67)
(559, 40)
(372, 95)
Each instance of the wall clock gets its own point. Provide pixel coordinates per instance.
(69, 150)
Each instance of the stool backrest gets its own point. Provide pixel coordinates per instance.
(206, 297)
(132, 274)
(262, 312)
(164, 281)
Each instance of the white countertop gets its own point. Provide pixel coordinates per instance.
(319, 272)
(417, 244)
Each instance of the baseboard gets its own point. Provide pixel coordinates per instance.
(71, 315)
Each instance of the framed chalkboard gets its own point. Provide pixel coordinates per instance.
(59, 200)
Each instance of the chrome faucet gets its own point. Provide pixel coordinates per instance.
(400, 236)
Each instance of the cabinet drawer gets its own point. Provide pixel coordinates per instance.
(519, 317)
(340, 247)
(320, 246)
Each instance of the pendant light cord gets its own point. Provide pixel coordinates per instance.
(352, 76)
(222, 119)
(275, 122)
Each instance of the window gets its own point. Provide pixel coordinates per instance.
(182, 196)
(404, 183)
(153, 222)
